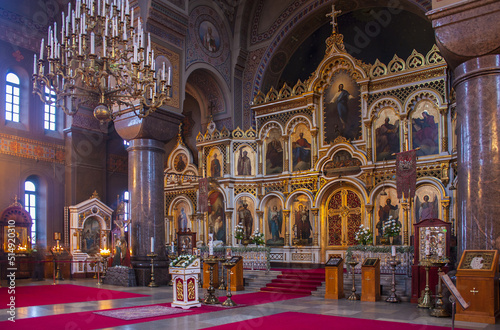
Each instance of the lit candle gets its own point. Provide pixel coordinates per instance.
(393, 251)
(168, 76)
(163, 72)
(152, 245)
(172, 245)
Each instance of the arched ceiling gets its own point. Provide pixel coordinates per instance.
(372, 29)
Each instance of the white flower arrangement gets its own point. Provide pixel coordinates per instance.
(391, 227)
(364, 235)
(257, 237)
(239, 231)
(183, 260)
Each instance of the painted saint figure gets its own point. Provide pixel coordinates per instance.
(302, 222)
(244, 163)
(383, 214)
(274, 156)
(182, 220)
(426, 209)
(301, 153)
(215, 167)
(341, 98)
(425, 134)
(387, 137)
(275, 219)
(245, 217)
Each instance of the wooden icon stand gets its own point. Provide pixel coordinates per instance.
(370, 279)
(334, 276)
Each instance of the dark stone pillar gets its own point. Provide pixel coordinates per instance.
(146, 153)
(467, 36)
(477, 84)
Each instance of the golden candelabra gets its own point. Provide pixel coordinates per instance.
(229, 302)
(425, 300)
(57, 251)
(105, 253)
(211, 299)
(393, 297)
(354, 295)
(439, 310)
(152, 282)
(97, 58)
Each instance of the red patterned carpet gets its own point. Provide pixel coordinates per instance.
(91, 320)
(301, 321)
(38, 295)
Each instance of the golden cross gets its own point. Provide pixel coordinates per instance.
(474, 291)
(334, 15)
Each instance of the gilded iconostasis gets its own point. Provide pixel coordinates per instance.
(320, 161)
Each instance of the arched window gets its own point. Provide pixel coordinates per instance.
(31, 204)
(12, 97)
(49, 117)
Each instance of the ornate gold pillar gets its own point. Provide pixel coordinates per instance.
(316, 225)
(406, 221)
(286, 216)
(260, 214)
(444, 139)
(369, 211)
(260, 152)
(229, 227)
(446, 210)
(202, 167)
(406, 141)
(286, 157)
(77, 234)
(227, 168)
(368, 126)
(169, 221)
(314, 148)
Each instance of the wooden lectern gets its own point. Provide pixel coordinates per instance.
(477, 282)
(370, 279)
(334, 277)
(206, 275)
(237, 274)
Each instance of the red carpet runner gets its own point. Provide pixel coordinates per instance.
(297, 281)
(301, 321)
(37, 295)
(89, 320)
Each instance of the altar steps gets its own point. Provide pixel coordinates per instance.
(297, 281)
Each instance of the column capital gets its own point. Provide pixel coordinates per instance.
(460, 30)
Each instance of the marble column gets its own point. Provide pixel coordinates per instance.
(146, 155)
(466, 34)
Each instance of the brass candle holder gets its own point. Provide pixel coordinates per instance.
(354, 295)
(222, 285)
(425, 300)
(105, 253)
(438, 310)
(211, 299)
(152, 283)
(229, 302)
(393, 297)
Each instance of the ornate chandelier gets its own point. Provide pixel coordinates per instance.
(98, 59)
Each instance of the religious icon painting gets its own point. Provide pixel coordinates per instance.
(386, 135)
(274, 220)
(301, 140)
(302, 225)
(217, 216)
(426, 203)
(91, 236)
(274, 152)
(182, 211)
(209, 37)
(342, 108)
(215, 163)
(245, 160)
(180, 162)
(388, 215)
(245, 215)
(425, 128)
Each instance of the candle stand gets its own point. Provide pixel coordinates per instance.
(438, 310)
(354, 295)
(393, 297)
(211, 299)
(425, 300)
(229, 302)
(171, 257)
(222, 285)
(152, 282)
